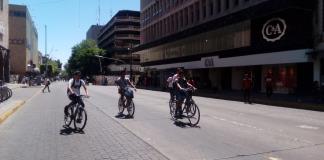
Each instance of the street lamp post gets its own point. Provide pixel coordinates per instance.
(131, 61)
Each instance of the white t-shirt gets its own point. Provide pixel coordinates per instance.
(77, 85)
(122, 83)
(169, 80)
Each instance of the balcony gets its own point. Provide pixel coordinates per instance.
(119, 19)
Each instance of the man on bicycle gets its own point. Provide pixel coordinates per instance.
(73, 91)
(182, 87)
(123, 89)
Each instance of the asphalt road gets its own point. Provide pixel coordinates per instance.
(227, 130)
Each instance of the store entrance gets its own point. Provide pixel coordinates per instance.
(226, 78)
(304, 78)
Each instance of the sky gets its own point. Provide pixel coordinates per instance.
(67, 21)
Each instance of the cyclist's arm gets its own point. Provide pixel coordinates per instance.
(191, 86)
(178, 85)
(70, 87)
(130, 83)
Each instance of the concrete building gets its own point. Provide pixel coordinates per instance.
(93, 32)
(23, 40)
(119, 36)
(217, 41)
(4, 41)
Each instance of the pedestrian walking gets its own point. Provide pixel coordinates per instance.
(47, 84)
(269, 84)
(247, 86)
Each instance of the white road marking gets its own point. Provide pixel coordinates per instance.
(308, 127)
(273, 158)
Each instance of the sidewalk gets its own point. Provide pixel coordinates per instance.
(18, 99)
(280, 100)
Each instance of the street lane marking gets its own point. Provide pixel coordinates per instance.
(273, 158)
(308, 127)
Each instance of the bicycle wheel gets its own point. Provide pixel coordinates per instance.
(10, 92)
(190, 109)
(121, 104)
(131, 108)
(80, 119)
(68, 119)
(195, 118)
(172, 106)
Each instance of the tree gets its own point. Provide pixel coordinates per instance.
(83, 58)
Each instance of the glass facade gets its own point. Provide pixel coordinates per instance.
(229, 37)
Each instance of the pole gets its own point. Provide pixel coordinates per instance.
(131, 62)
(46, 68)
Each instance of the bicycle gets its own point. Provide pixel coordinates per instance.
(5, 93)
(189, 108)
(77, 114)
(122, 102)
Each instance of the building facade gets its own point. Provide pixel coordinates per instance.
(119, 36)
(4, 41)
(93, 32)
(23, 40)
(217, 41)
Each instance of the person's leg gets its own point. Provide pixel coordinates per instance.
(73, 102)
(245, 95)
(48, 88)
(249, 96)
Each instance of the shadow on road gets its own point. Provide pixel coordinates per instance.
(69, 131)
(123, 116)
(181, 124)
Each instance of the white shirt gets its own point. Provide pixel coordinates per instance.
(122, 83)
(75, 88)
(169, 80)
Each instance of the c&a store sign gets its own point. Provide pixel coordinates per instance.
(274, 29)
(282, 30)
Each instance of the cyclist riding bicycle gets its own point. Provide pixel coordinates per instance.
(182, 87)
(123, 84)
(73, 91)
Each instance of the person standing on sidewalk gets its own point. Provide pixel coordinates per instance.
(247, 86)
(47, 84)
(269, 84)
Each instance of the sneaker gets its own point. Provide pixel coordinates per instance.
(119, 115)
(128, 116)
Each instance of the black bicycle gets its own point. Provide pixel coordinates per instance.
(189, 108)
(78, 115)
(5, 93)
(122, 103)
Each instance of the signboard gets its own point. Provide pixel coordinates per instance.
(274, 29)
(289, 29)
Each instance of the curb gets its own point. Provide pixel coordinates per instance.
(12, 109)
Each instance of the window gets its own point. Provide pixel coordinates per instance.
(204, 9)
(219, 6)
(197, 11)
(17, 14)
(236, 3)
(192, 13)
(227, 4)
(211, 8)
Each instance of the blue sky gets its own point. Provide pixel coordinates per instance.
(68, 21)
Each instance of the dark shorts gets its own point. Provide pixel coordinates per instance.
(180, 95)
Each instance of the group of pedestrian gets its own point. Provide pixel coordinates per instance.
(247, 84)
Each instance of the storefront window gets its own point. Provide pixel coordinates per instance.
(284, 78)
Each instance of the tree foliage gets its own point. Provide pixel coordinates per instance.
(53, 67)
(83, 58)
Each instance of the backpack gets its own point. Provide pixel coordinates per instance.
(74, 86)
